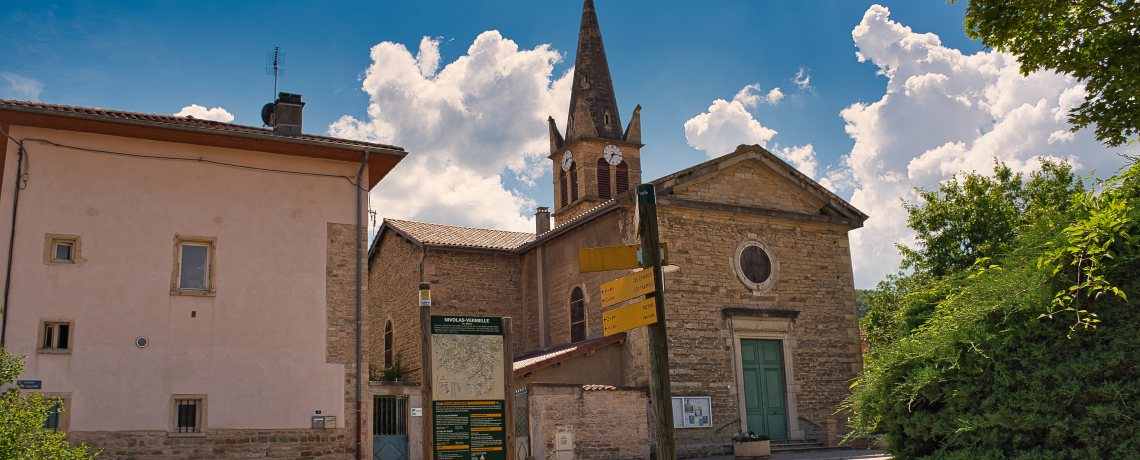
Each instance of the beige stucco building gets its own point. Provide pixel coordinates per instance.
(761, 315)
(188, 287)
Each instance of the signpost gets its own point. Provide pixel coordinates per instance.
(614, 258)
(627, 287)
(650, 311)
(630, 316)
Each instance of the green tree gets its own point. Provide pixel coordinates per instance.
(1002, 360)
(1096, 41)
(973, 216)
(22, 436)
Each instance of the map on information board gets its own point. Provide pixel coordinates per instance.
(467, 358)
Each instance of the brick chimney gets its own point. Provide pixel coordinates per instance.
(542, 220)
(287, 113)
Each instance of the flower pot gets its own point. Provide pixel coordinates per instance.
(752, 449)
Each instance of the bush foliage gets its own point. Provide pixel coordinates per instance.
(1032, 352)
(22, 436)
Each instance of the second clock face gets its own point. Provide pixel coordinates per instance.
(612, 154)
(567, 160)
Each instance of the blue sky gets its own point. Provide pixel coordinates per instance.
(870, 129)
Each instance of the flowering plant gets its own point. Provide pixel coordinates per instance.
(750, 437)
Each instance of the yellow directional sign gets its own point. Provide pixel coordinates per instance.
(630, 316)
(614, 258)
(627, 287)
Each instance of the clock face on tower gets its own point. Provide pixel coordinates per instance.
(567, 160)
(612, 154)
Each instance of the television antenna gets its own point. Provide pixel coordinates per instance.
(275, 65)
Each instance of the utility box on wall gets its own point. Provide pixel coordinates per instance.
(324, 422)
(564, 446)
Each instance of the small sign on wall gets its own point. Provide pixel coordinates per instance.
(30, 384)
(417, 412)
(692, 412)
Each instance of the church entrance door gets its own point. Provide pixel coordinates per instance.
(765, 405)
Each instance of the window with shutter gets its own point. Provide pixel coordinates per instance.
(622, 177)
(604, 191)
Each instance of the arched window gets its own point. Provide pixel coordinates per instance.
(577, 315)
(562, 183)
(573, 182)
(622, 177)
(604, 191)
(388, 344)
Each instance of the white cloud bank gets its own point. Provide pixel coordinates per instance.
(197, 111)
(944, 112)
(15, 86)
(729, 124)
(463, 126)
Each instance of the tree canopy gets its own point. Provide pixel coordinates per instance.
(1027, 353)
(1096, 41)
(22, 435)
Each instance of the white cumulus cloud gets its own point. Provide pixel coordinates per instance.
(15, 86)
(802, 79)
(944, 112)
(728, 124)
(464, 124)
(197, 111)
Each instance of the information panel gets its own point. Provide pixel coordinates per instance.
(692, 412)
(468, 388)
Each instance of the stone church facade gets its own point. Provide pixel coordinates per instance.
(761, 313)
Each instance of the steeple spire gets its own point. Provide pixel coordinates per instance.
(592, 94)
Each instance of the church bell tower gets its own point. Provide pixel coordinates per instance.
(596, 161)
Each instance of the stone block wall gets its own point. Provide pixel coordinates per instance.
(606, 422)
(394, 279)
(814, 278)
(340, 304)
(462, 283)
(221, 444)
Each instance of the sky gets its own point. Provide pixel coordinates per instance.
(870, 99)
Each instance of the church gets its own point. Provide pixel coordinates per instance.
(762, 326)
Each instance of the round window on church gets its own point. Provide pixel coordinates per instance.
(755, 265)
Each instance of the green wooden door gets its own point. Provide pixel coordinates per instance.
(764, 401)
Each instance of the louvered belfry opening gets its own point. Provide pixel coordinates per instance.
(604, 191)
(577, 315)
(573, 182)
(562, 182)
(622, 177)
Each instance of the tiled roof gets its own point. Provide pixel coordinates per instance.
(448, 235)
(178, 121)
(542, 358)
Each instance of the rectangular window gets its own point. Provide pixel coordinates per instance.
(55, 337)
(193, 266)
(188, 415)
(52, 422)
(59, 415)
(61, 249)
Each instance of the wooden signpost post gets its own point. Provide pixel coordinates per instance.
(650, 311)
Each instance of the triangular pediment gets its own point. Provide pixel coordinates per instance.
(753, 179)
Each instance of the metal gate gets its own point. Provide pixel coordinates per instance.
(522, 425)
(390, 428)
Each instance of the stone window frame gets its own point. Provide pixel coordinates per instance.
(585, 317)
(53, 239)
(211, 266)
(44, 322)
(756, 288)
(203, 405)
(389, 343)
(760, 328)
(63, 424)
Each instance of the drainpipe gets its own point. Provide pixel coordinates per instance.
(11, 239)
(359, 286)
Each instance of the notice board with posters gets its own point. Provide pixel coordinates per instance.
(468, 388)
(692, 412)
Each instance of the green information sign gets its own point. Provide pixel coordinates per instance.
(468, 388)
(469, 430)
